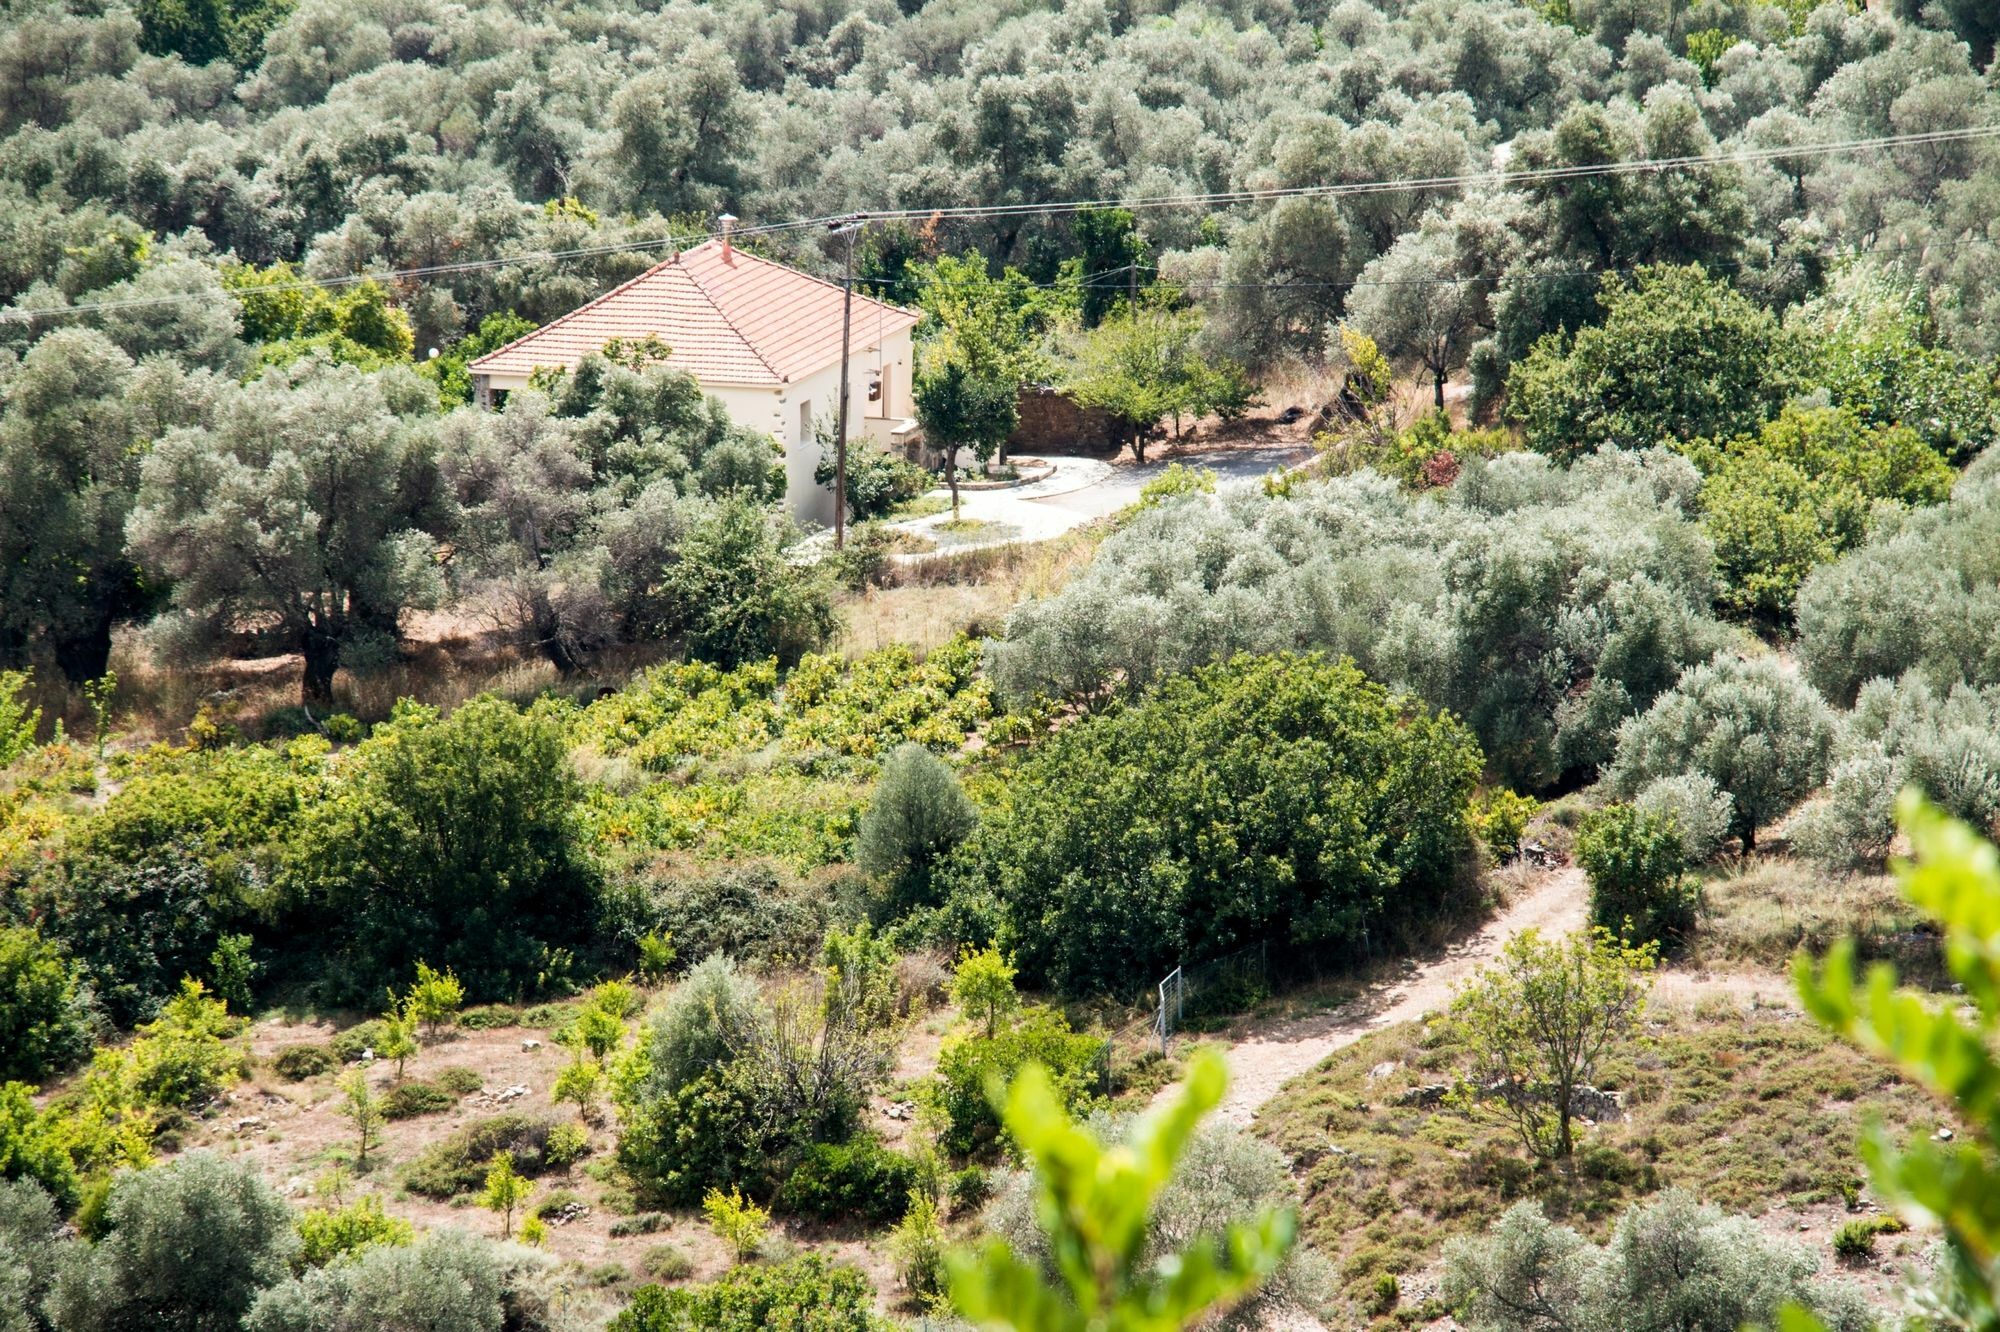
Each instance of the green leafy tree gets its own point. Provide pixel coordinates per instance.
(1531, 1029)
(1679, 356)
(738, 1223)
(734, 595)
(44, 1025)
(448, 369)
(18, 721)
(966, 400)
(232, 969)
(359, 1107)
(1753, 728)
(329, 1233)
(1112, 263)
(580, 1082)
(305, 502)
(1948, 1049)
(982, 985)
(452, 839)
(1096, 1205)
(506, 1190)
(1405, 301)
(398, 1039)
(917, 818)
(1639, 886)
(1142, 366)
(434, 998)
(1286, 799)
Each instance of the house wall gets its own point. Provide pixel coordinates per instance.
(777, 410)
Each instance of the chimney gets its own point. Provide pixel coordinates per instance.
(728, 221)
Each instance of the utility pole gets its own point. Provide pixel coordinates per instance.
(851, 229)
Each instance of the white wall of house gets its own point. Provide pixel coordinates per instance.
(787, 411)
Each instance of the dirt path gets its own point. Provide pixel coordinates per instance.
(1263, 1062)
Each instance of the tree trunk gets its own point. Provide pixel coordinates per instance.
(85, 654)
(951, 479)
(322, 657)
(1138, 443)
(1439, 381)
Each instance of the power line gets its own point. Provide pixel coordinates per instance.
(1214, 199)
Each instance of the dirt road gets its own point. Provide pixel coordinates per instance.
(1266, 1060)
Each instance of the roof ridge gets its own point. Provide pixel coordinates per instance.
(695, 281)
(828, 283)
(589, 305)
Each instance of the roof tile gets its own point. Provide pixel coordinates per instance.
(740, 320)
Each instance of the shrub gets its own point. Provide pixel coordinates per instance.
(407, 1100)
(917, 817)
(970, 1060)
(447, 1280)
(458, 1164)
(296, 1063)
(433, 999)
(1699, 811)
(458, 1080)
(736, 1222)
(982, 985)
(453, 839)
(751, 911)
(917, 1247)
(1219, 783)
(805, 1292)
(489, 1017)
(1499, 818)
(1855, 1240)
(667, 1262)
(678, 1143)
(698, 1027)
(567, 1144)
(735, 596)
(187, 1245)
(969, 1189)
(326, 1235)
(349, 1045)
(1639, 888)
(1751, 727)
(44, 1023)
(860, 1179)
(182, 1058)
(1670, 1266)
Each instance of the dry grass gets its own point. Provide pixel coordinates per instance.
(934, 600)
(1755, 1109)
(1763, 910)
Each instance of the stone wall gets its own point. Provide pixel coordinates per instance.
(1051, 423)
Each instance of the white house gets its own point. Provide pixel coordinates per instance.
(762, 338)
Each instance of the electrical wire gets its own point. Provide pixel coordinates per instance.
(1057, 208)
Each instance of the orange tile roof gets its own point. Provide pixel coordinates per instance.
(740, 320)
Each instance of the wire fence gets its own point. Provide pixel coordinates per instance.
(1200, 997)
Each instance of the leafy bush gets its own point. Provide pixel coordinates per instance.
(1787, 500)
(44, 1021)
(1855, 1240)
(187, 1245)
(860, 1179)
(1221, 781)
(348, 1044)
(326, 1234)
(916, 1246)
(566, 1146)
(452, 839)
(1639, 887)
(183, 1058)
(877, 480)
(489, 1017)
(1671, 1264)
(753, 911)
(806, 1291)
(667, 1262)
(296, 1063)
(407, 1100)
(458, 1080)
(969, 1060)
(698, 1028)
(1751, 727)
(458, 1164)
(1700, 812)
(918, 817)
(1499, 817)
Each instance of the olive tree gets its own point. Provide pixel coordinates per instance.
(187, 1248)
(305, 504)
(1756, 730)
(69, 468)
(1412, 302)
(917, 817)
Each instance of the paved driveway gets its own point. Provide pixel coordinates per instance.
(1082, 490)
